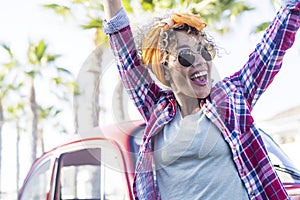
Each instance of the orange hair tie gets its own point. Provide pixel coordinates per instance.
(189, 19)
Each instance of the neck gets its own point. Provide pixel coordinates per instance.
(188, 105)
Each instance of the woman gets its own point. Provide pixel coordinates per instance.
(200, 139)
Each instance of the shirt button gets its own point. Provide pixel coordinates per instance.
(251, 192)
(242, 171)
(234, 148)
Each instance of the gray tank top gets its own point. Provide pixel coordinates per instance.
(193, 161)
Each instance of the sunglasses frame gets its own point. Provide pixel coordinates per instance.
(182, 56)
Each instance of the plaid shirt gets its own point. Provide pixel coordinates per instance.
(229, 106)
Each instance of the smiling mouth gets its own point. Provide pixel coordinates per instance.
(200, 78)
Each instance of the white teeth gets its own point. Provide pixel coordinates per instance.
(197, 75)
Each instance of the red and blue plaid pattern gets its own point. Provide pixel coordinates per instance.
(229, 106)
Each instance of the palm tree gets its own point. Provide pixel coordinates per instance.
(40, 61)
(217, 13)
(89, 79)
(15, 114)
(14, 103)
(10, 82)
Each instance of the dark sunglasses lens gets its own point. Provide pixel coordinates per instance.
(186, 57)
(205, 54)
(208, 52)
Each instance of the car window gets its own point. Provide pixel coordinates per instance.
(37, 183)
(84, 174)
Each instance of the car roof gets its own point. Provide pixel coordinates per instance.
(115, 133)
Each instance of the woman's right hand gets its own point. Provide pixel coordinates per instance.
(111, 8)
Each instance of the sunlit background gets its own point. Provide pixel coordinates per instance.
(23, 22)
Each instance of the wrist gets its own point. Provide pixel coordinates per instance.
(111, 8)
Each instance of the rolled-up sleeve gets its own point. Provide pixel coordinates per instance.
(117, 23)
(291, 4)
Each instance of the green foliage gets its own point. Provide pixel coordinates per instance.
(41, 62)
(7, 88)
(12, 61)
(97, 24)
(9, 81)
(12, 109)
(51, 58)
(11, 64)
(48, 112)
(127, 6)
(218, 14)
(262, 27)
(2, 76)
(89, 4)
(32, 73)
(93, 23)
(57, 80)
(64, 70)
(237, 8)
(89, 18)
(152, 5)
(100, 37)
(37, 54)
(8, 50)
(78, 1)
(73, 86)
(147, 4)
(15, 111)
(59, 9)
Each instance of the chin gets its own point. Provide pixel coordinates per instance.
(204, 94)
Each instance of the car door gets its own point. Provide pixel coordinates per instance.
(95, 172)
(37, 184)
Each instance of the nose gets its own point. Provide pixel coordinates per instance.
(199, 61)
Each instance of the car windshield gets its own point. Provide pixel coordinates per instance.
(286, 170)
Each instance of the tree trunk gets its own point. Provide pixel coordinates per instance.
(41, 140)
(118, 102)
(18, 157)
(34, 110)
(95, 103)
(86, 104)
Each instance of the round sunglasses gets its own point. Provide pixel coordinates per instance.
(186, 57)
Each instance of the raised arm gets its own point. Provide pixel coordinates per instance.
(266, 60)
(135, 77)
(111, 8)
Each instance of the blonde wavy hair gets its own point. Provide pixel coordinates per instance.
(153, 46)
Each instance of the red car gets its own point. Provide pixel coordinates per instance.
(100, 165)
